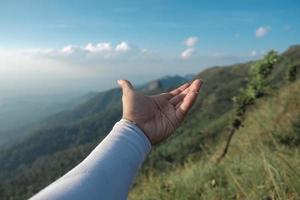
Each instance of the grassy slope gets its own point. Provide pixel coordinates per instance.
(256, 167)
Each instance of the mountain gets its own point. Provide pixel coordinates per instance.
(88, 122)
(20, 113)
(64, 139)
(263, 160)
(164, 83)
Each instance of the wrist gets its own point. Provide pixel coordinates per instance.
(137, 125)
(129, 121)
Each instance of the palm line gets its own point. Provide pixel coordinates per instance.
(163, 114)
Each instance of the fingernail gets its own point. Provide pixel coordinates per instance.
(198, 81)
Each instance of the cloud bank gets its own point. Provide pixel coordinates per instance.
(104, 50)
(97, 66)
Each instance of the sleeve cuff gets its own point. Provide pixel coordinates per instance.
(135, 135)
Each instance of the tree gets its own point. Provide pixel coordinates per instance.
(257, 86)
(292, 72)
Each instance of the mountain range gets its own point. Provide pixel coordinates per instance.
(56, 144)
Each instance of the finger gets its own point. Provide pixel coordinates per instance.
(179, 89)
(189, 99)
(165, 95)
(170, 95)
(193, 88)
(126, 86)
(178, 98)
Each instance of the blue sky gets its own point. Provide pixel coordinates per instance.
(155, 24)
(153, 31)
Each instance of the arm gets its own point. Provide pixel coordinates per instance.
(108, 172)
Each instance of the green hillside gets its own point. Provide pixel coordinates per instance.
(19, 113)
(261, 163)
(263, 160)
(87, 123)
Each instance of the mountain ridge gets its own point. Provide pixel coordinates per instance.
(206, 123)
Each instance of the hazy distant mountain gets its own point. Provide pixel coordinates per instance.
(19, 113)
(165, 82)
(190, 76)
(89, 112)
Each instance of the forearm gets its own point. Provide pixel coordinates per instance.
(108, 172)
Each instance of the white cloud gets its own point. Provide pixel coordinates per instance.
(262, 31)
(123, 47)
(69, 49)
(191, 41)
(100, 47)
(103, 50)
(186, 54)
(256, 53)
(252, 53)
(147, 53)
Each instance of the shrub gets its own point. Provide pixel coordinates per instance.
(292, 72)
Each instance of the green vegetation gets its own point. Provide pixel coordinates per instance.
(257, 87)
(260, 71)
(292, 72)
(257, 166)
(262, 162)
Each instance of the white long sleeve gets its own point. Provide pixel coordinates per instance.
(108, 172)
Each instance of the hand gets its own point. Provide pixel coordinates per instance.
(159, 115)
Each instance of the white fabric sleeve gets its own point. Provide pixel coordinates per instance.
(108, 172)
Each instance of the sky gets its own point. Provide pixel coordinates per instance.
(50, 46)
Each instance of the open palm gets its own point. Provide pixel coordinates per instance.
(158, 115)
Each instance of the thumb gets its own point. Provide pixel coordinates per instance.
(126, 86)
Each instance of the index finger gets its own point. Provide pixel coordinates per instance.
(179, 89)
(189, 99)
